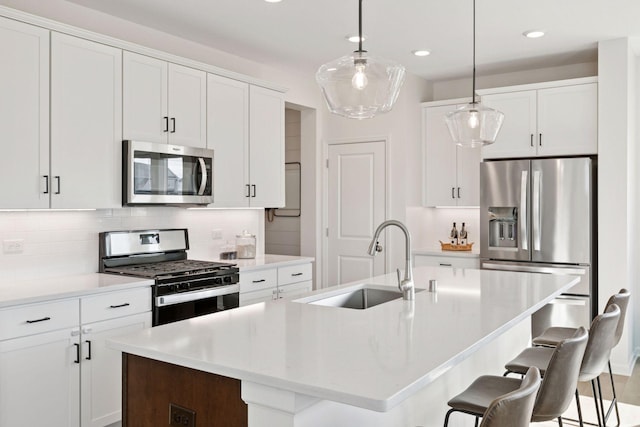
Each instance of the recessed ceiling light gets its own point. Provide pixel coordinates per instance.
(355, 39)
(273, 1)
(533, 34)
(421, 52)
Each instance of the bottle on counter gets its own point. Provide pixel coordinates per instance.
(453, 236)
(462, 236)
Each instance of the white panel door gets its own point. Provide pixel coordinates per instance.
(228, 136)
(40, 380)
(24, 117)
(144, 98)
(101, 369)
(86, 123)
(357, 199)
(266, 148)
(187, 106)
(568, 120)
(518, 135)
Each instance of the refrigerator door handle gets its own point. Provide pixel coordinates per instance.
(577, 271)
(522, 219)
(536, 210)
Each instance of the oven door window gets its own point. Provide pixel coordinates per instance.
(170, 174)
(186, 310)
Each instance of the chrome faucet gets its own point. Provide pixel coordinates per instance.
(405, 285)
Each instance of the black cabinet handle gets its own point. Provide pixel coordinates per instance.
(173, 125)
(89, 355)
(44, 319)
(166, 124)
(259, 281)
(532, 140)
(77, 353)
(296, 274)
(126, 304)
(458, 192)
(540, 143)
(248, 190)
(453, 194)
(46, 184)
(253, 186)
(57, 177)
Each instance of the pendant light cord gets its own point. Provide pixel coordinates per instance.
(473, 93)
(360, 26)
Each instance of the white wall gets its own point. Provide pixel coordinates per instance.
(617, 206)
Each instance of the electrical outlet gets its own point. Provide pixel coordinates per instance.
(216, 234)
(14, 246)
(181, 417)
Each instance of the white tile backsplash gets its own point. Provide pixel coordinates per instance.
(60, 243)
(428, 225)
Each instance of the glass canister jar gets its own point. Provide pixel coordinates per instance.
(246, 245)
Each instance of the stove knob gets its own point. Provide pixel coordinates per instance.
(227, 279)
(217, 281)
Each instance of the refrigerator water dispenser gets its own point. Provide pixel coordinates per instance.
(503, 227)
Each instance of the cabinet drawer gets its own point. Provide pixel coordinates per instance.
(294, 274)
(294, 289)
(115, 304)
(259, 279)
(445, 261)
(38, 318)
(263, 295)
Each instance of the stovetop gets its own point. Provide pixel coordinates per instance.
(171, 268)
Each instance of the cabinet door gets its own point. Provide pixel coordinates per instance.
(518, 135)
(24, 91)
(86, 123)
(101, 369)
(294, 289)
(40, 380)
(568, 120)
(248, 298)
(266, 147)
(468, 176)
(228, 136)
(439, 158)
(187, 106)
(144, 98)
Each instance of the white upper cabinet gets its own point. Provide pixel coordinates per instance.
(228, 136)
(451, 173)
(266, 148)
(24, 91)
(246, 131)
(86, 123)
(560, 120)
(163, 102)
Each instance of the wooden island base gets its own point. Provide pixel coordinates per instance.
(150, 388)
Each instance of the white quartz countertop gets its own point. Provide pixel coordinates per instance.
(373, 358)
(267, 261)
(46, 289)
(436, 250)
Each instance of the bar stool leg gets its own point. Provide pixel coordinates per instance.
(596, 401)
(579, 409)
(614, 403)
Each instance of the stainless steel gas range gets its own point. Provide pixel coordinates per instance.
(183, 288)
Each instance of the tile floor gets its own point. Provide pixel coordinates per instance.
(628, 391)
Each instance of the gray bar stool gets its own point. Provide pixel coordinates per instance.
(555, 393)
(553, 335)
(514, 409)
(596, 355)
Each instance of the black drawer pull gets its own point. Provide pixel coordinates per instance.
(89, 355)
(259, 281)
(77, 353)
(445, 264)
(126, 304)
(44, 319)
(296, 274)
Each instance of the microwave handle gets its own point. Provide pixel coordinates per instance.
(203, 181)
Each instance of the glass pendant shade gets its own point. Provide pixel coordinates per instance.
(360, 86)
(474, 125)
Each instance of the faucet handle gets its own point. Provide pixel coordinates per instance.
(399, 279)
(378, 247)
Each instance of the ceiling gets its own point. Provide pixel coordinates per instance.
(307, 33)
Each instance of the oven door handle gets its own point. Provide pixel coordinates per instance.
(196, 295)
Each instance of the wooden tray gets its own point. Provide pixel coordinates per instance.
(450, 247)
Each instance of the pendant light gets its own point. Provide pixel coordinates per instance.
(359, 85)
(474, 125)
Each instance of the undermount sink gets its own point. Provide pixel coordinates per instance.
(360, 299)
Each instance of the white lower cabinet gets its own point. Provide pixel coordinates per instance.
(421, 260)
(55, 368)
(276, 282)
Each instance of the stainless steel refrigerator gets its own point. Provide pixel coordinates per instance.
(539, 215)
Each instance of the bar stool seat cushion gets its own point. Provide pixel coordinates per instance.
(532, 356)
(553, 335)
(484, 390)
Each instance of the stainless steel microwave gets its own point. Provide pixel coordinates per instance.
(164, 174)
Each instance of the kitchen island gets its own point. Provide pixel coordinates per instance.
(395, 364)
